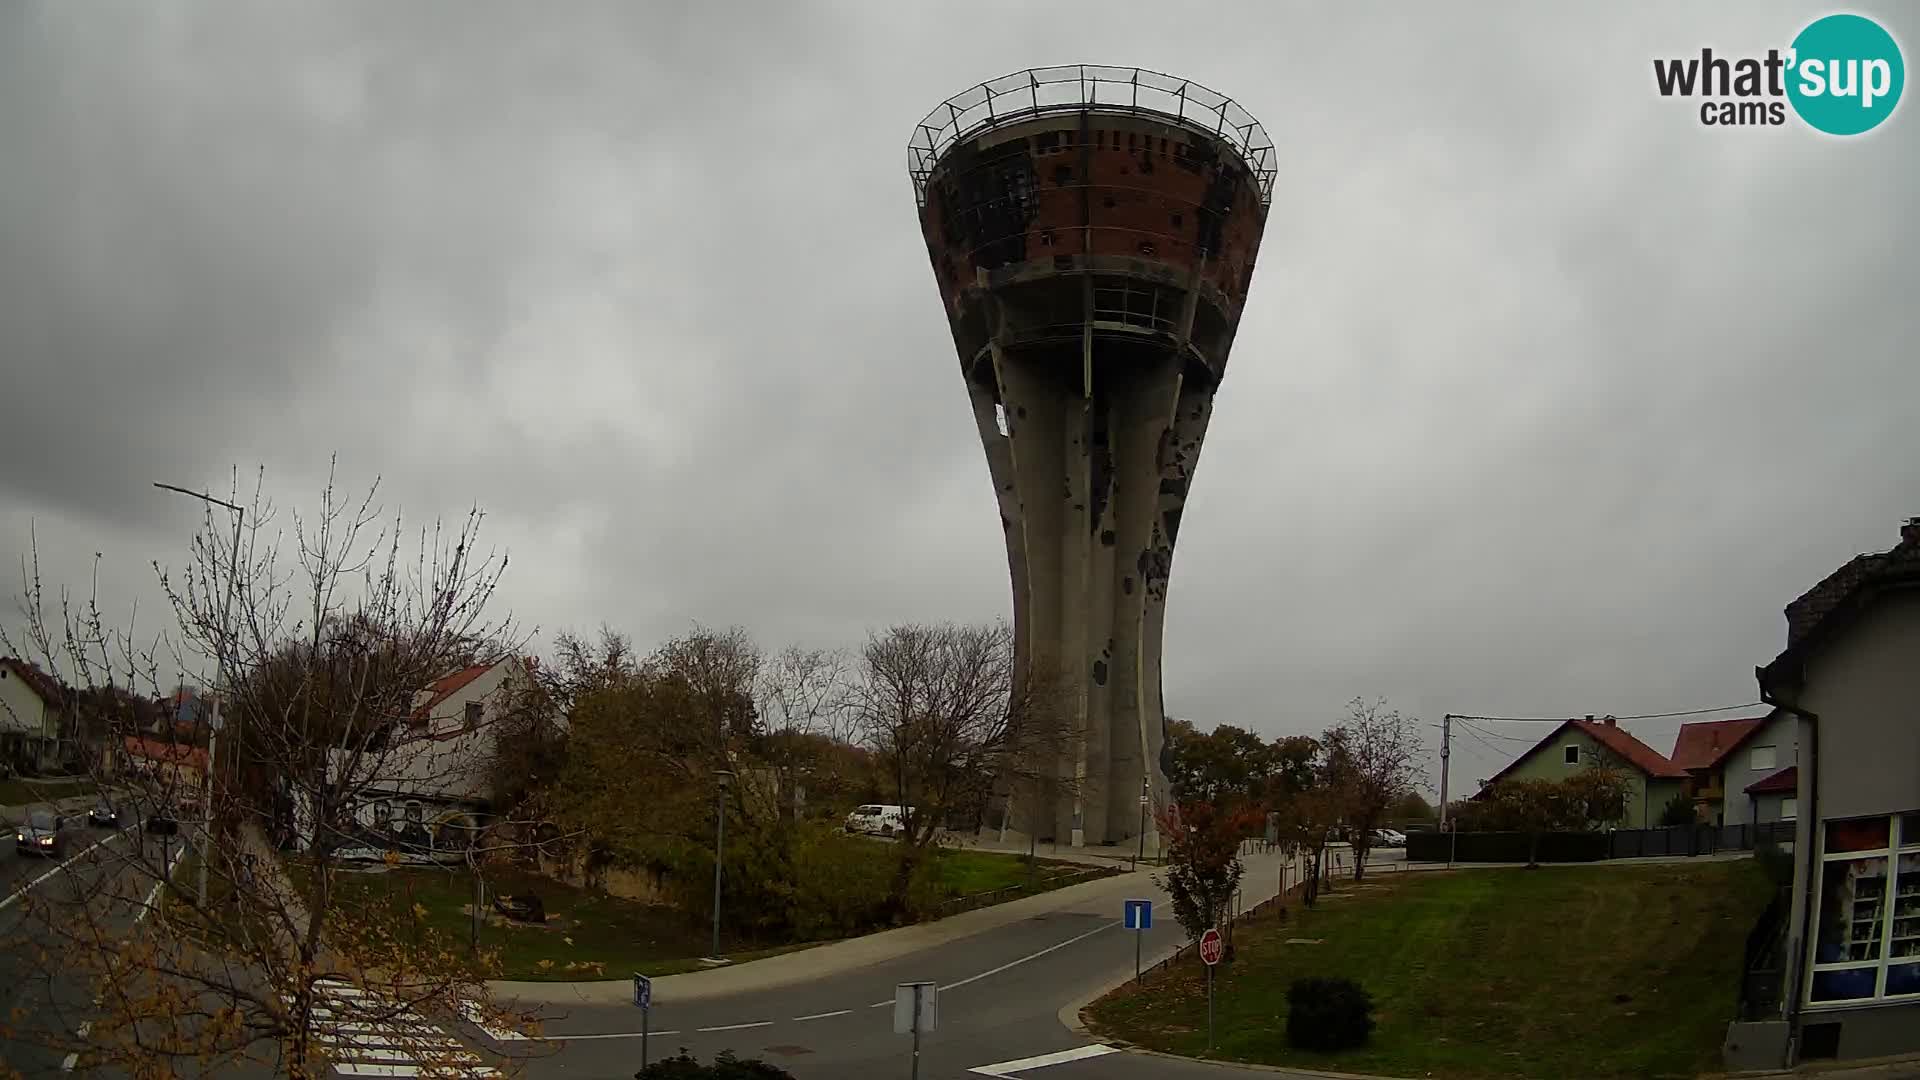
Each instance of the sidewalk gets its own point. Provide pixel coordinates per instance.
(1101, 895)
(833, 958)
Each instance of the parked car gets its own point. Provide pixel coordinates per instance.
(43, 833)
(1389, 838)
(877, 818)
(105, 815)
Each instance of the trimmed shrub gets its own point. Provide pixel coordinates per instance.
(1328, 1014)
(724, 1067)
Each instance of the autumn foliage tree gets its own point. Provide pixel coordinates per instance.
(1203, 866)
(320, 647)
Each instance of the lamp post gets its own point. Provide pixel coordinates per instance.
(1139, 858)
(719, 846)
(219, 678)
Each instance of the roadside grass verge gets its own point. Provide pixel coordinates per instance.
(1592, 971)
(591, 935)
(19, 792)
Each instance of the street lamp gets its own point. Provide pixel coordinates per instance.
(1144, 789)
(719, 842)
(219, 678)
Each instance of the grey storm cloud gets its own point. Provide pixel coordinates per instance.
(1547, 399)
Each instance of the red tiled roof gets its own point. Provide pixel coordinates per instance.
(1786, 780)
(178, 753)
(1636, 753)
(1639, 754)
(1701, 744)
(448, 685)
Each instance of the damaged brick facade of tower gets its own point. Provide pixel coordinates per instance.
(1093, 233)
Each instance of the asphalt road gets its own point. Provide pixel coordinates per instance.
(1001, 995)
(96, 869)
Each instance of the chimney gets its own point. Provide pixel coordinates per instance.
(1910, 532)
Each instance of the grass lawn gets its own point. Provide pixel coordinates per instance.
(590, 935)
(963, 872)
(18, 792)
(1593, 971)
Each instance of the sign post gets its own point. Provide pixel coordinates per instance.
(1210, 950)
(916, 1008)
(643, 1000)
(1138, 917)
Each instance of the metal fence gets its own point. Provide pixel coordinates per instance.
(1678, 840)
(1074, 87)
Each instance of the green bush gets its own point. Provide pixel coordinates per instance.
(1678, 811)
(724, 1067)
(1328, 1014)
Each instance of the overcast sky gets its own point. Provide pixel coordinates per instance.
(1547, 398)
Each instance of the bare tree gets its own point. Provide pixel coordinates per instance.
(1372, 761)
(942, 707)
(324, 650)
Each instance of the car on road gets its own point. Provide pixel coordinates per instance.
(105, 815)
(877, 818)
(43, 833)
(1389, 838)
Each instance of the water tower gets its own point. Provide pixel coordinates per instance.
(1093, 233)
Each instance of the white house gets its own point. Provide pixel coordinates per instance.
(429, 786)
(29, 715)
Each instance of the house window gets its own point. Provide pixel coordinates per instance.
(473, 716)
(1789, 807)
(1761, 757)
(1571, 753)
(1866, 945)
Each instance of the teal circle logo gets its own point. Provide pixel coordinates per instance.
(1846, 74)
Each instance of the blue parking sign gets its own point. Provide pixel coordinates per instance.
(1138, 914)
(642, 991)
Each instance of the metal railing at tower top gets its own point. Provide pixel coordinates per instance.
(1074, 87)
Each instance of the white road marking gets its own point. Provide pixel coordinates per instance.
(822, 1016)
(68, 861)
(478, 1018)
(67, 1063)
(738, 1027)
(402, 1044)
(146, 905)
(613, 1035)
(1024, 959)
(1078, 1053)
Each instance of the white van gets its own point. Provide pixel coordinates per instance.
(877, 818)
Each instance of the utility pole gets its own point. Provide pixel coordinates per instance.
(1446, 759)
(219, 678)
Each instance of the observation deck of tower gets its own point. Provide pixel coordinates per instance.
(1092, 231)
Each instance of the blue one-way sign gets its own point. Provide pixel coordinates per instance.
(1138, 914)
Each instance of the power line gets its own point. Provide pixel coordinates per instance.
(1593, 716)
(1496, 735)
(1483, 742)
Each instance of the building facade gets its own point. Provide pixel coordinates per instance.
(1850, 676)
(1652, 780)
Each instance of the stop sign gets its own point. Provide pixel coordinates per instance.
(1211, 947)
